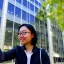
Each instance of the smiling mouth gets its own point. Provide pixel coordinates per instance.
(22, 40)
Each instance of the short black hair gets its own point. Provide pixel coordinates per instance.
(32, 29)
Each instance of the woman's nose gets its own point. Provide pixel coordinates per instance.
(21, 36)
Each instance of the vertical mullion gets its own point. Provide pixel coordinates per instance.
(21, 10)
(29, 12)
(34, 11)
(13, 23)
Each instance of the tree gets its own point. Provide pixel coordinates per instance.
(56, 12)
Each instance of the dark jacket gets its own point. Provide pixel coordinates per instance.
(21, 58)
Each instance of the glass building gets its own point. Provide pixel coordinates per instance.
(16, 12)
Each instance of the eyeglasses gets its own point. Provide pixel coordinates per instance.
(23, 33)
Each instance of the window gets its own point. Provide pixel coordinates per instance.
(8, 37)
(11, 8)
(39, 4)
(41, 23)
(36, 9)
(18, 12)
(28, 16)
(42, 35)
(28, 4)
(1, 4)
(0, 21)
(36, 2)
(25, 3)
(16, 41)
(31, 19)
(31, 7)
(24, 15)
(18, 1)
(42, 29)
(32, 0)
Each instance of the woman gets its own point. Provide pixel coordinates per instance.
(29, 53)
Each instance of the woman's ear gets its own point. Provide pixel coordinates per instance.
(32, 35)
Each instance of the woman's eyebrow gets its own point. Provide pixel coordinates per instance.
(23, 31)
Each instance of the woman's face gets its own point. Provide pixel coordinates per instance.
(25, 36)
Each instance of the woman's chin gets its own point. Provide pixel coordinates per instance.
(22, 42)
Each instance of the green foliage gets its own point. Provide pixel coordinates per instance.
(41, 15)
(56, 11)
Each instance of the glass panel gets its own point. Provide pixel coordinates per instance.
(41, 23)
(32, 0)
(24, 15)
(18, 1)
(37, 24)
(1, 4)
(38, 34)
(10, 8)
(42, 29)
(16, 41)
(18, 12)
(42, 43)
(0, 21)
(39, 4)
(42, 35)
(8, 35)
(36, 9)
(28, 17)
(31, 7)
(28, 4)
(38, 42)
(47, 46)
(31, 19)
(36, 2)
(25, 3)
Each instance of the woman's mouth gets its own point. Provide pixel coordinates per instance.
(22, 40)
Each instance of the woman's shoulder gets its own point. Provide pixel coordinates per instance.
(17, 47)
(45, 56)
(43, 51)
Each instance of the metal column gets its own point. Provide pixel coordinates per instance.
(3, 23)
(63, 39)
(50, 38)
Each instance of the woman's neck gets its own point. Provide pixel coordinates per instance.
(29, 47)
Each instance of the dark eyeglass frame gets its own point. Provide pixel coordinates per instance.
(23, 33)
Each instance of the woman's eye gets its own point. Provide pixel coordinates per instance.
(24, 33)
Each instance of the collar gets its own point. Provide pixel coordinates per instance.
(34, 50)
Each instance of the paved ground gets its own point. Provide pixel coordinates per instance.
(59, 63)
(14, 63)
(8, 63)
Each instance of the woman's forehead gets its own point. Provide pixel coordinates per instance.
(24, 28)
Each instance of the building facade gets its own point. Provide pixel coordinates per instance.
(18, 12)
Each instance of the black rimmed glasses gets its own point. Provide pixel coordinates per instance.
(23, 33)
